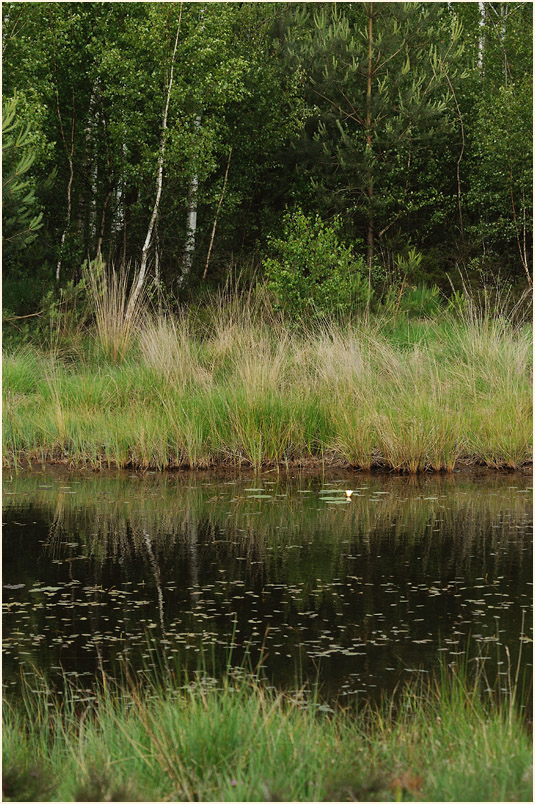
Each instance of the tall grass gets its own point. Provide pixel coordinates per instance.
(234, 383)
(238, 740)
(118, 308)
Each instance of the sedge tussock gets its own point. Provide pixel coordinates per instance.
(168, 348)
(118, 307)
(238, 384)
(233, 739)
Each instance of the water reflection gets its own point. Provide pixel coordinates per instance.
(364, 591)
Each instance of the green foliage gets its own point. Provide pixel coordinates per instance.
(20, 216)
(411, 121)
(377, 75)
(421, 301)
(502, 173)
(312, 273)
(59, 322)
(409, 264)
(99, 76)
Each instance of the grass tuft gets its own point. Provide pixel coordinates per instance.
(236, 740)
(236, 384)
(118, 307)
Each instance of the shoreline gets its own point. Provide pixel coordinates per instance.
(454, 394)
(306, 467)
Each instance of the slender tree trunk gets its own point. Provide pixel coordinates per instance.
(502, 35)
(70, 155)
(461, 154)
(103, 222)
(157, 271)
(109, 192)
(524, 228)
(370, 235)
(124, 208)
(191, 223)
(90, 168)
(159, 182)
(69, 152)
(86, 197)
(123, 262)
(217, 214)
(521, 252)
(482, 41)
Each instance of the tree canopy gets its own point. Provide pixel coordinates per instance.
(186, 133)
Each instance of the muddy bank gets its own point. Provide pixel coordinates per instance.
(331, 469)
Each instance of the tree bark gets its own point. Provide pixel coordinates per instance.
(461, 153)
(159, 182)
(370, 235)
(523, 255)
(482, 41)
(191, 224)
(70, 154)
(103, 221)
(217, 214)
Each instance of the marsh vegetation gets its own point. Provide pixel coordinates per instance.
(236, 740)
(237, 383)
(390, 634)
(290, 244)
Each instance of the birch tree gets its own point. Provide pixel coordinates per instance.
(191, 220)
(140, 280)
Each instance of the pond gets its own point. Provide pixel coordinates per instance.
(357, 592)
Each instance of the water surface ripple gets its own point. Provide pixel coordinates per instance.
(359, 592)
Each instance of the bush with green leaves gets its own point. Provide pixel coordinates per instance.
(312, 272)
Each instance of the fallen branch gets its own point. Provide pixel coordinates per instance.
(18, 317)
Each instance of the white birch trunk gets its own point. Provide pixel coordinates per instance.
(70, 155)
(191, 222)
(159, 181)
(89, 139)
(482, 37)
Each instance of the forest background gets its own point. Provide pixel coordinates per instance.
(346, 152)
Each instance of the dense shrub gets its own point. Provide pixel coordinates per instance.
(313, 273)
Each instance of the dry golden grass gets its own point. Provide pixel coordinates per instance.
(118, 311)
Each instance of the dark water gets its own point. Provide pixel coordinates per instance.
(360, 593)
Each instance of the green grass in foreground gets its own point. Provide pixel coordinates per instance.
(237, 387)
(239, 741)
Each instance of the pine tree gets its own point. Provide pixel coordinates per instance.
(20, 217)
(381, 76)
